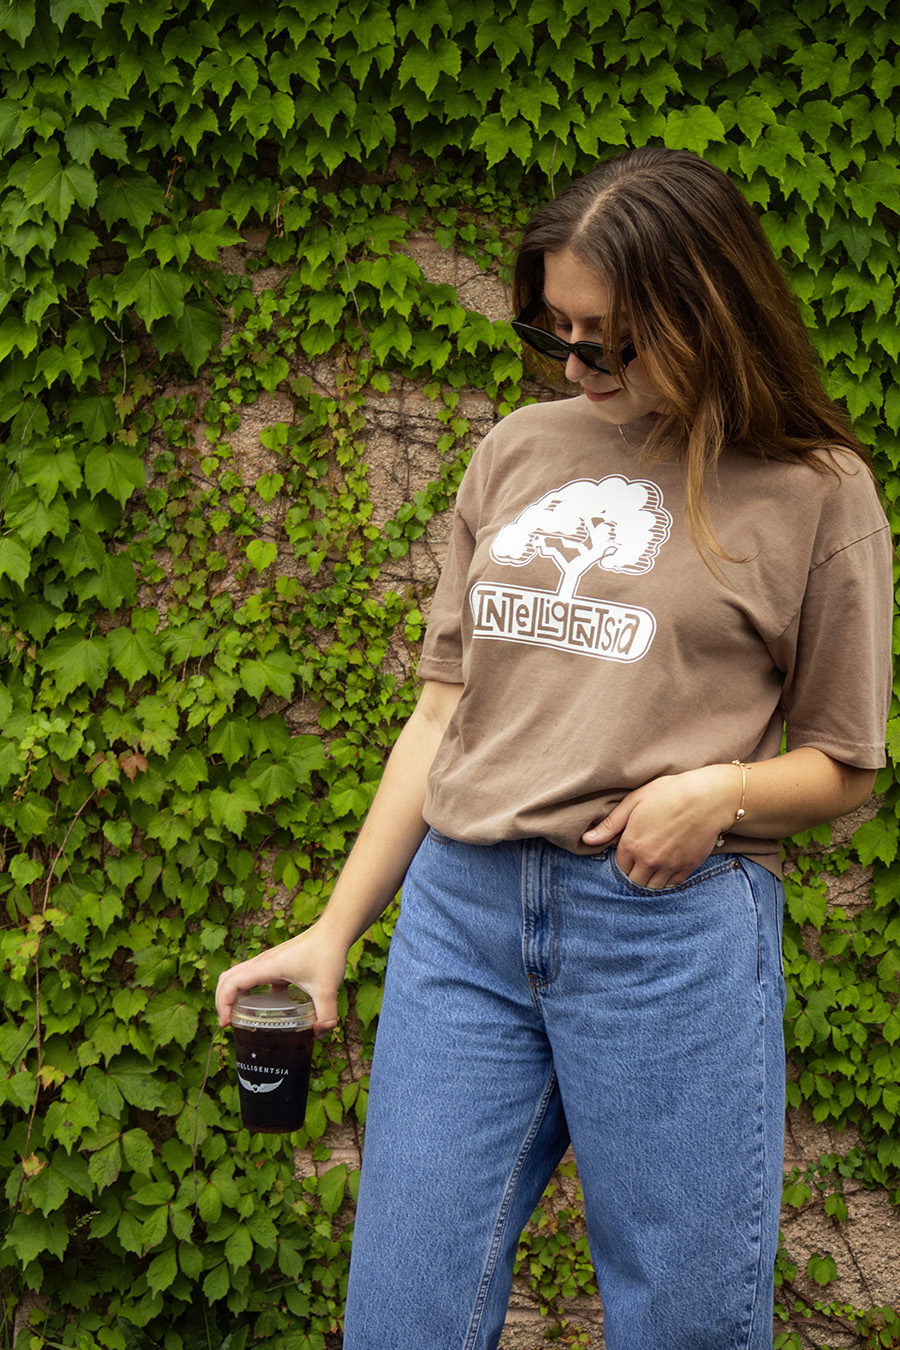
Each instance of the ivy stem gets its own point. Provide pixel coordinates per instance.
(194, 1143)
(37, 1006)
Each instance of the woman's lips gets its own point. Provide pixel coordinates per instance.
(596, 397)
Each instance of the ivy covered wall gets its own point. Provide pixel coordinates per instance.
(209, 293)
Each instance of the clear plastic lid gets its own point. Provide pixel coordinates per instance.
(279, 1010)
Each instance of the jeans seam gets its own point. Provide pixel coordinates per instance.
(490, 1264)
(753, 1309)
(556, 910)
(537, 982)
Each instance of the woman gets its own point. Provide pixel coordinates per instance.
(645, 585)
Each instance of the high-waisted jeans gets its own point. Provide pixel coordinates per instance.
(534, 996)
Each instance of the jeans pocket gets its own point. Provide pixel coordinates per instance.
(714, 866)
(768, 894)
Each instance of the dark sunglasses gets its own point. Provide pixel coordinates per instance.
(591, 354)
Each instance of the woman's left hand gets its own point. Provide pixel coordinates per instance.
(667, 827)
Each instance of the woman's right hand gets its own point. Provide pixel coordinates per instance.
(312, 960)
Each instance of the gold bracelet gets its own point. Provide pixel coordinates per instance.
(740, 812)
(739, 764)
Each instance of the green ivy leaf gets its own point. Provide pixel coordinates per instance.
(33, 1235)
(104, 1092)
(836, 1207)
(500, 138)
(290, 1261)
(693, 129)
(239, 1247)
(195, 332)
(331, 1187)
(105, 1164)
(75, 660)
(15, 559)
(84, 139)
(877, 186)
(12, 132)
(268, 486)
(130, 1232)
(191, 1261)
(508, 36)
(25, 870)
(74, 1171)
(162, 1271)
(817, 1006)
(230, 809)
(209, 1203)
(262, 553)
(230, 739)
(262, 1230)
(369, 995)
(16, 334)
(306, 757)
(271, 781)
(276, 672)
(822, 1269)
(154, 1194)
(49, 467)
(806, 902)
(876, 839)
(91, 11)
(32, 519)
(171, 1018)
(155, 1226)
(80, 549)
(129, 1072)
(217, 1283)
(114, 469)
(47, 1191)
(155, 292)
(891, 414)
(134, 653)
(188, 768)
(60, 186)
(17, 19)
(424, 67)
(113, 584)
(753, 115)
(137, 1150)
(129, 196)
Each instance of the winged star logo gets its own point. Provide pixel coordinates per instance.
(259, 1087)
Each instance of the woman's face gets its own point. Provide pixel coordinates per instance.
(576, 299)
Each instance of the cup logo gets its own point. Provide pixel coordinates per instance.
(259, 1087)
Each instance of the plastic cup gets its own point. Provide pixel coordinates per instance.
(273, 1041)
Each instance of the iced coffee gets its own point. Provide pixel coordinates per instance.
(273, 1040)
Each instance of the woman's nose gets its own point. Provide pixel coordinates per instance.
(575, 369)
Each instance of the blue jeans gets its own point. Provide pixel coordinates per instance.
(535, 996)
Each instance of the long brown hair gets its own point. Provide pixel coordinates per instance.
(685, 258)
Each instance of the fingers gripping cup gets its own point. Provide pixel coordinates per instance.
(273, 1041)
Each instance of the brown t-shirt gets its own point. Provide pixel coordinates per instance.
(598, 650)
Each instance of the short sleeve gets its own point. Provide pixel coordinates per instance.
(837, 654)
(442, 651)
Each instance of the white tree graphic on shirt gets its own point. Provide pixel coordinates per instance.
(616, 524)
